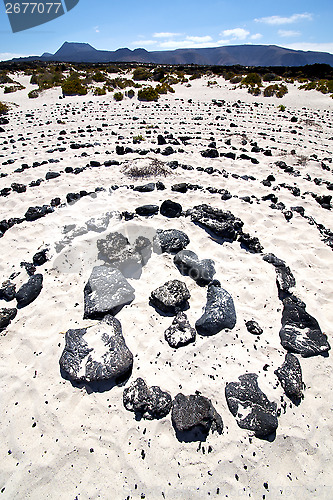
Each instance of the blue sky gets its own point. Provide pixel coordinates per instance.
(171, 24)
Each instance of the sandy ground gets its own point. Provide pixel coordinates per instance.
(61, 441)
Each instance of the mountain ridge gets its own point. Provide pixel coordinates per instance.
(244, 55)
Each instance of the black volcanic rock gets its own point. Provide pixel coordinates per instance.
(219, 312)
(29, 291)
(290, 376)
(300, 332)
(195, 412)
(171, 209)
(170, 240)
(147, 210)
(40, 258)
(34, 213)
(6, 316)
(188, 263)
(7, 290)
(96, 353)
(246, 398)
(180, 332)
(146, 188)
(147, 402)
(222, 223)
(171, 297)
(253, 327)
(284, 277)
(106, 292)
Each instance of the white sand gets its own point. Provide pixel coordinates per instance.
(53, 459)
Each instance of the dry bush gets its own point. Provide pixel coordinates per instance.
(154, 168)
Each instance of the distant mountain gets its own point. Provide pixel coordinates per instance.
(245, 55)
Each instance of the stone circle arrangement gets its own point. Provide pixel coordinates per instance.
(99, 353)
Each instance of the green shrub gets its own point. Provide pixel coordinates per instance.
(73, 86)
(4, 78)
(13, 88)
(98, 77)
(236, 79)
(3, 108)
(252, 79)
(99, 91)
(254, 90)
(282, 108)
(34, 80)
(271, 77)
(137, 139)
(164, 88)
(141, 74)
(148, 94)
(118, 96)
(275, 90)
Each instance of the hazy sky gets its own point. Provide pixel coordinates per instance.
(171, 24)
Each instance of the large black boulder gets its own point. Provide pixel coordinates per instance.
(171, 209)
(219, 311)
(250, 406)
(147, 402)
(147, 210)
(96, 353)
(171, 297)
(300, 332)
(106, 292)
(29, 291)
(146, 188)
(6, 315)
(188, 263)
(195, 413)
(170, 241)
(290, 376)
(34, 213)
(220, 222)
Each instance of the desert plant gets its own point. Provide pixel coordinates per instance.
(13, 88)
(252, 79)
(236, 79)
(138, 138)
(73, 86)
(254, 90)
(152, 169)
(270, 77)
(164, 88)
(118, 96)
(98, 77)
(3, 108)
(99, 91)
(4, 78)
(275, 90)
(281, 108)
(148, 94)
(141, 74)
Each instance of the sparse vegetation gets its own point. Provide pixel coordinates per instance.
(138, 138)
(144, 170)
(275, 90)
(3, 108)
(73, 86)
(99, 91)
(13, 88)
(252, 80)
(148, 94)
(118, 96)
(281, 108)
(141, 74)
